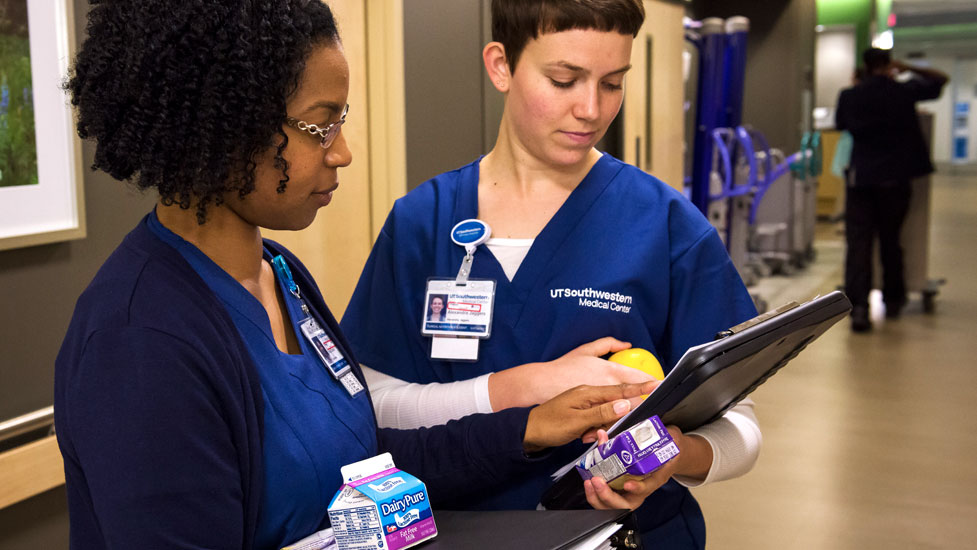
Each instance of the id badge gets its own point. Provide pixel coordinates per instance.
(331, 357)
(458, 310)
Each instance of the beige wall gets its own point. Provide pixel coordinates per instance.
(336, 245)
(654, 122)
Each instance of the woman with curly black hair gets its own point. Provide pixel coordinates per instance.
(204, 395)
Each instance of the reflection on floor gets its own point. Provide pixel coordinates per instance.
(870, 440)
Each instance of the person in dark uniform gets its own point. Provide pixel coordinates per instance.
(889, 151)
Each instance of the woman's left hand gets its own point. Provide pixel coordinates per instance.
(694, 460)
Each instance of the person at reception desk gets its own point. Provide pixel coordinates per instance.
(205, 397)
(587, 255)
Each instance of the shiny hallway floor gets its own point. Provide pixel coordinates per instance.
(870, 440)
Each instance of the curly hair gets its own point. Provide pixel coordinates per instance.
(183, 96)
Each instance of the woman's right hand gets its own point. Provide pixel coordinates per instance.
(535, 383)
(579, 413)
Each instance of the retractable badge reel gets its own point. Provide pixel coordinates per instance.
(458, 312)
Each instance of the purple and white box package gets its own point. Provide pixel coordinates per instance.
(631, 454)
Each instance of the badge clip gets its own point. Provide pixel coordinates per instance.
(469, 234)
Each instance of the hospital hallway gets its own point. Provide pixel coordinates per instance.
(869, 440)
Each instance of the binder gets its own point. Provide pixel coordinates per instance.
(536, 529)
(712, 378)
(528, 529)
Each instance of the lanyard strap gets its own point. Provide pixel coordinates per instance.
(337, 365)
(283, 271)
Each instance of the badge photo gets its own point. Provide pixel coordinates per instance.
(453, 310)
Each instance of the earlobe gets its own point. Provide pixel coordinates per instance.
(496, 65)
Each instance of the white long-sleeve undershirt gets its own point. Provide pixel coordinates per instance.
(405, 405)
(735, 438)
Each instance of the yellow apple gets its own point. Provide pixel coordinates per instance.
(640, 359)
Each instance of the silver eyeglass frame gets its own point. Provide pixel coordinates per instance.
(326, 134)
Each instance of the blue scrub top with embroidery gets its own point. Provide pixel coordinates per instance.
(624, 256)
(312, 427)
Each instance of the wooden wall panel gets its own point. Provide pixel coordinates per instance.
(29, 470)
(336, 245)
(654, 141)
(388, 108)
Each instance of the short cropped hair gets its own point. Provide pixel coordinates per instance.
(183, 96)
(876, 59)
(516, 22)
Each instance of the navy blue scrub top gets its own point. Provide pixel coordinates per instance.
(312, 426)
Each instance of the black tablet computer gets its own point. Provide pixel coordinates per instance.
(712, 378)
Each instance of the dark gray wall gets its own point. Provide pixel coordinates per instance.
(38, 289)
(452, 112)
(39, 286)
(780, 63)
(39, 522)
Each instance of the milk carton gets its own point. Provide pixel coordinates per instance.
(380, 507)
(635, 453)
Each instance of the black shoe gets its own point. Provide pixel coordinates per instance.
(859, 319)
(893, 309)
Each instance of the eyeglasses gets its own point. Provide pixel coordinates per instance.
(326, 134)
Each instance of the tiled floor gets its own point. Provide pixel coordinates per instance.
(870, 440)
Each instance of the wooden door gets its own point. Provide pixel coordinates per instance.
(654, 92)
